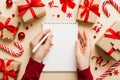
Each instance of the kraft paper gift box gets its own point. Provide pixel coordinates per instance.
(110, 41)
(9, 69)
(88, 13)
(30, 10)
(8, 27)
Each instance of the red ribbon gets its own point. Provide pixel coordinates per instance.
(113, 35)
(34, 3)
(66, 3)
(6, 73)
(111, 51)
(89, 6)
(11, 28)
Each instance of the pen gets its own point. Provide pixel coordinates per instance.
(43, 39)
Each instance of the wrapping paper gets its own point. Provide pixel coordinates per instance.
(32, 12)
(10, 68)
(110, 41)
(8, 27)
(88, 13)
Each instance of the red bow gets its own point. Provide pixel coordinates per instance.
(11, 73)
(66, 3)
(113, 35)
(8, 27)
(89, 6)
(34, 3)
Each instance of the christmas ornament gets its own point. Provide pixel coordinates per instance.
(9, 3)
(21, 35)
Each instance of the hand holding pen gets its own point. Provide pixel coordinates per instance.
(44, 39)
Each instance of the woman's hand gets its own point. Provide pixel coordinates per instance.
(44, 48)
(83, 51)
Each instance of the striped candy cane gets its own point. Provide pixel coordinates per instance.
(11, 51)
(105, 10)
(115, 5)
(108, 71)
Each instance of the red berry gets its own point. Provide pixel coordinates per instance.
(110, 74)
(9, 3)
(58, 16)
(27, 28)
(13, 15)
(94, 37)
(96, 68)
(21, 35)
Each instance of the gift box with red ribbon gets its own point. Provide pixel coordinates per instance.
(67, 3)
(9, 69)
(88, 11)
(110, 41)
(8, 27)
(30, 10)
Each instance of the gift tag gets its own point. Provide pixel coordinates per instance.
(116, 44)
(7, 35)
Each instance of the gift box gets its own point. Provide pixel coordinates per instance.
(30, 10)
(88, 11)
(9, 69)
(8, 27)
(110, 41)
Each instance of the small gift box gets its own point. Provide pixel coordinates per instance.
(88, 11)
(30, 10)
(8, 27)
(9, 69)
(110, 41)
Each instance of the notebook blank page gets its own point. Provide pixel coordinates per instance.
(61, 56)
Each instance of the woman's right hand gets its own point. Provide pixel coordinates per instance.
(44, 48)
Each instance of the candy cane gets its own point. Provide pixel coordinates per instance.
(111, 2)
(115, 5)
(108, 71)
(105, 8)
(11, 51)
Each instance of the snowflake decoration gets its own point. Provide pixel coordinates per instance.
(69, 15)
(116, 72)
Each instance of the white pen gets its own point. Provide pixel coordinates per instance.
(43, 39)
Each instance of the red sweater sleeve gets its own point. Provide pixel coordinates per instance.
(33, 70)
(85, 74)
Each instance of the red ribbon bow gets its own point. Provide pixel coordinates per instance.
(34, 3)
(11, 73)
(89, 6)
(113, 35)
(66, 3)
(8, 27)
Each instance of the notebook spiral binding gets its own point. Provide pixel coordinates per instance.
(59, 22)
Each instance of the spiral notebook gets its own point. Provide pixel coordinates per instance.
(61, 56)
